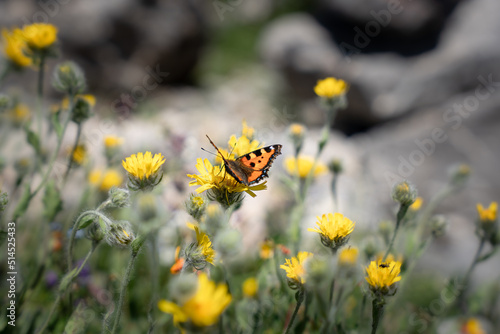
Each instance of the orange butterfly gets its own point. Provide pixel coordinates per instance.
(251, 167)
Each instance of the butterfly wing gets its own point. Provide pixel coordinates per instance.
(255, 165)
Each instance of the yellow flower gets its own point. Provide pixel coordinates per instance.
(213, 178)
(107, 180)
(246, 130)
(80, 154)
(19, 113)
(204, 307)
(381, 276)
(294, 268)
(39, 35)
(142, 166)
(14, 48)
(348, 257)
(487, 214)
(305, 164)
(472, 326)
(331, 87)
(238, 147)
(204, 245)
(112, 178)
(198, 201)
(390, 258)
(334, 229)
(112, 141)
(90, 99)
(297, 129)
(417, 204)
(95, 177)
(250, 287)
(267, 249)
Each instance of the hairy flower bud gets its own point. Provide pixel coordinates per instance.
(120, 198)
(404, 193)
(69, 79)
(120, 234)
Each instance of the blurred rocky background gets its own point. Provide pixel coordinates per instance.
(416, 68)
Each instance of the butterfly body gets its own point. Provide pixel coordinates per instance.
(252, 167)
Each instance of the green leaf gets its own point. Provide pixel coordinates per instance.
(24, 201)
(77, 322)
(34, 141)
(86, 221)
(67, 279)
(52, 201)
(56, 123)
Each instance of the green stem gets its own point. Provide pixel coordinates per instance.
(56, 152)
(125, 282)
(401, 213)
(5, 72)
(75, 146)
(154, 280)
(467, 277)
(41, 68)
(52, 310)
(300, 298)
(69, 255)
(39, 118)
(377, 313)
(61, 293)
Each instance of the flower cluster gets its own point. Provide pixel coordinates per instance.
(23, 47)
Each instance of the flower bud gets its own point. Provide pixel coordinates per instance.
(194, 257)
(439, 224)
(82, 108)
(487, 225)
(120, 234)
(120, 198)
(459, 175)
(94, 232)
(404, 193)
(137, 243)
(335, 166)
(195, 206)
(297, 133)
(69, 79)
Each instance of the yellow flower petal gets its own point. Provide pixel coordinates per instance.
(331, 87)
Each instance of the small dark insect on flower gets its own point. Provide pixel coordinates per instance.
(383, 265)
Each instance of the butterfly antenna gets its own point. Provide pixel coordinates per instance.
(234, 146)
(212, 153)
(211, 142)
(222, 157)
